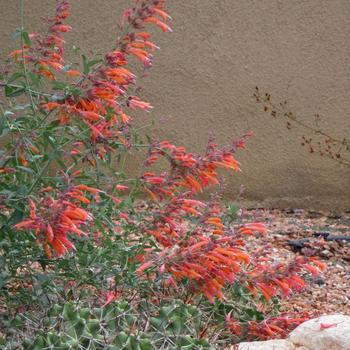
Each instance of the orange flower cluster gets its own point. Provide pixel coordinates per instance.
(269, 279)
(58, 217)
(209, 254)
(212, 258)
(106, 92)
(148, 11)
(209, 262)
(188, 172)
(270, 328)
(98, 107)
(46, 55)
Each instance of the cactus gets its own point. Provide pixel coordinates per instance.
(118, 326)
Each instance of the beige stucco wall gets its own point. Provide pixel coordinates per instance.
(204, 77)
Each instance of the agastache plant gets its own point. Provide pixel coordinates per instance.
(68, 206)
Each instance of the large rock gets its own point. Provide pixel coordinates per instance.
(324, 333)
(267, 345)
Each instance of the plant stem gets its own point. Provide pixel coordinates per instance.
(42, 171)
(28, 90)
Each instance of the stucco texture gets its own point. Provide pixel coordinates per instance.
(204, 76)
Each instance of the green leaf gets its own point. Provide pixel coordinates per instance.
(87, 65)
(17, 216)
(75, 49)
(75, 91)
(25, 38)
(2, 125)
(21, 107)
(25, 169)
(35, 79)
(54, 124)
(14, 77)
(11, 91)
(60, 85)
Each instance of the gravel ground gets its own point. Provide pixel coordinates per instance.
(330, 292)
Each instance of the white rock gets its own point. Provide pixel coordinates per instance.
(330, 332)
(267, 345)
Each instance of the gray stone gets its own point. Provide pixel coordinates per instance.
(267, 345)
(330, 332)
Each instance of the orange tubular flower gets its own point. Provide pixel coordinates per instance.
(143, 35)
(193, 183)
(162, 14)
(135, 103)
(56, 65)
(215, 222)
(50, 106)
(141, 55)
(17, 54)
(73, 73)
(249, 229)
(121, 187)
(163, 26)
(57, 218)
(273, 327)
(60, 28)
(116, 58)
(21, 157)
(151, 194)
(120, 75)
(322, 266)
(144, 44)
(91, 116)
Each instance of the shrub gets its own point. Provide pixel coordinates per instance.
(93, 259)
